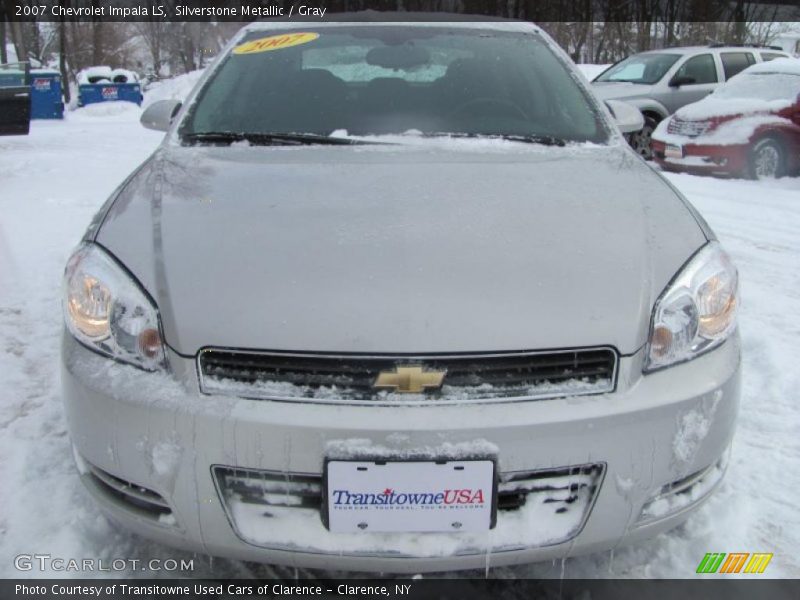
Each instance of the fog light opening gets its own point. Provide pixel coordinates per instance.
(679, 495)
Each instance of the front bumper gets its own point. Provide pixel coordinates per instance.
(704, 159)
(158, 432)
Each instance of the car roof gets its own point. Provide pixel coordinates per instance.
(683, 50)
(374, 17)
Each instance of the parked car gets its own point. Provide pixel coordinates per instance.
(748, 127)
(15, 99)
(398, 296)
(660, 82)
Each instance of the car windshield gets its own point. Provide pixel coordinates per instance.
(379, 80)
(640, 68)
(761, 86)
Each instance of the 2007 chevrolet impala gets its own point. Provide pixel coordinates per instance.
(397, 296)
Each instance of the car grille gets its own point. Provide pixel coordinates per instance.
(350, 378)
(687, 128)
(265, 507)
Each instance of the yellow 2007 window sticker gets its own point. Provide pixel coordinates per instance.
(275, 42)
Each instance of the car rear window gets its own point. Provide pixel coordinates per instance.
(373, 80)
(766, 56)
(736, 62)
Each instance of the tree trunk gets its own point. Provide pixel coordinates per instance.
(19, 41)
(3, 51)
(62, 59)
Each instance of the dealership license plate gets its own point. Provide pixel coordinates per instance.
(673, 151)
(418, 496)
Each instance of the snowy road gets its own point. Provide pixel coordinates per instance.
(53, 181)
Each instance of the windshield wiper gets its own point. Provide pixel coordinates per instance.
(267, 139)
(544, 140)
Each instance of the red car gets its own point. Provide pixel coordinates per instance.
(750, 126)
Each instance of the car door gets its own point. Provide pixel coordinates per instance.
(15, 101)
(693, 80)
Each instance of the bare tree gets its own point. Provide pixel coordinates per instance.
(154, 32)
(3, 50)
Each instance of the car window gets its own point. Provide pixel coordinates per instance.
(736, 62)
(766, 56)
(374, 80)
(640, 68)
(698, 69)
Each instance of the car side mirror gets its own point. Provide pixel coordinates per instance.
(159, 114)
(682, 80)
(628, 118)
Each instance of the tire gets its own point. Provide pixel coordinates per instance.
(767, 159)
(640, 140)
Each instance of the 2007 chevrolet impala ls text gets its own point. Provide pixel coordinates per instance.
(397, 296)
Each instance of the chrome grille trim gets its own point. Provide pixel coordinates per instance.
(688, 128)
(274, 375)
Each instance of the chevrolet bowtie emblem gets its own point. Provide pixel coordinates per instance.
(409, 380)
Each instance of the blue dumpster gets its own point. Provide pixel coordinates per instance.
(91, 93)
(46, 102)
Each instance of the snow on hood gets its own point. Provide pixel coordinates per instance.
(712, 106)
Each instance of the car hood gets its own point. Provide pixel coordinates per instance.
(610, 90)
(401, 250)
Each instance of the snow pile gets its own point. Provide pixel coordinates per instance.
(103, 74)
(125, 111)
(176, 88)
(124, 76)
(99, 74)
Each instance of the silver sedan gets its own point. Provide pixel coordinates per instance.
(396, 296)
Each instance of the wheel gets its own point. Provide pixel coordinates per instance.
(767, 159)
(640, 140)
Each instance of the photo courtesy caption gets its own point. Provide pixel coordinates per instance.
(207, 590)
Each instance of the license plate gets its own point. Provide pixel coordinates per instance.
(413, 496)
(673, 151)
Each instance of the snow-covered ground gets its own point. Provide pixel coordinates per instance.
(51, 183)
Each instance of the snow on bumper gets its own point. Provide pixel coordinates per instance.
(158, 432)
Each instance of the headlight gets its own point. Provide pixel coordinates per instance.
(106, 310)
(696, 312)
